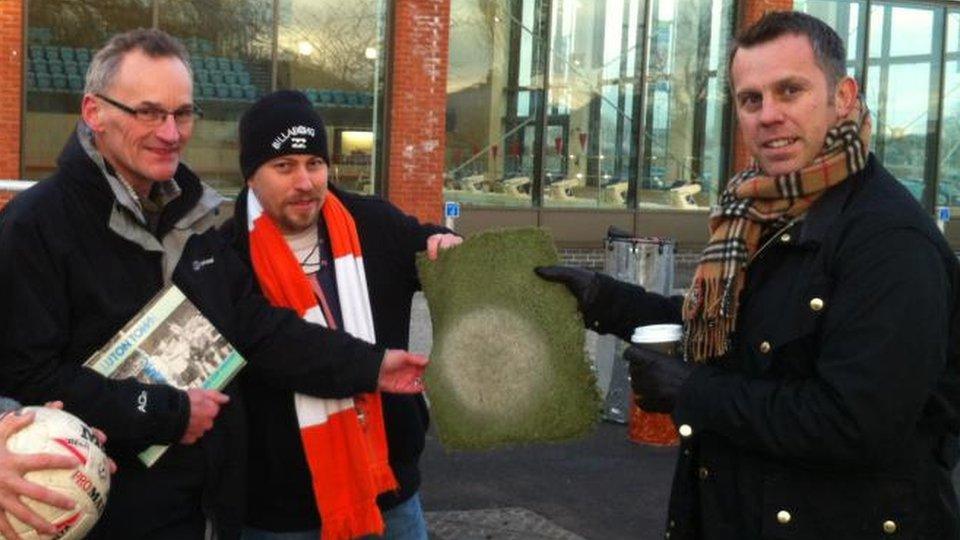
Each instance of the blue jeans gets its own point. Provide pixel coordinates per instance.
(404, 522)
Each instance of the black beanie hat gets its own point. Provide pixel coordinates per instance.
(279, 124)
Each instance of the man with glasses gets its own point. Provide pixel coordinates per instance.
(84, 250)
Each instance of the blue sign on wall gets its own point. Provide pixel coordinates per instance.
(943, 213)
(451, 209)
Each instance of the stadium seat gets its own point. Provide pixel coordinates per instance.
(36, 52)
(311, 94)
(51, 53)
(236, 91)
(55, 67)
(75, 82)
(202, 76)
(31, 81)
(207, 91)
(223, 91)
(351, 99)
(215, 77)
(210, 63)
(238, 65)
(224, 64)
(83, 55)
(59, 82)
(44, 82)
(250, 92)
(243, 78)
(71, 67)
(230, 77)
(324, 97)
(67, 54)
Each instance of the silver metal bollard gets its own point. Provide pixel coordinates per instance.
(648, 262)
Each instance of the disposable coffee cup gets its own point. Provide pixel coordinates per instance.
(663, 338)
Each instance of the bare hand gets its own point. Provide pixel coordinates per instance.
(101, 436)
(204, 407)
(13, 467)
(402, 372)
(437, 242)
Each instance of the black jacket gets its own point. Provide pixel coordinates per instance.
(280, 489)
(74, 270)
(836, 413)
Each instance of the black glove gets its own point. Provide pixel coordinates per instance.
(584, 284)
(655, 378)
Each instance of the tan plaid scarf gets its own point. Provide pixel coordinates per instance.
(752, 206)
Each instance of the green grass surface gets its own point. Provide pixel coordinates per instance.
(508, 363)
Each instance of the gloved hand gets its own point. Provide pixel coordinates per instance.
(584, 284)
(656, 378)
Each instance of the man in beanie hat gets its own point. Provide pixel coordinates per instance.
(821, 393)
(339, 468)
(83, 251)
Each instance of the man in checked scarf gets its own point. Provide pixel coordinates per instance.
(819, 396)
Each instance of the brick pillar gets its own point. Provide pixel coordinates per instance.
(11, 73)
(418, 97)
(750, 12)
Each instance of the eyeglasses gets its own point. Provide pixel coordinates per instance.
(154, 116)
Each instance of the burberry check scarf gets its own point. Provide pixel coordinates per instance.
(752, 206)
(344, 440)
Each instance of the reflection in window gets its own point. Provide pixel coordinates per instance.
(230, 57)
(62, 35)
(589, 135)
(903, 68)
(683, 164)
(494, 91)
(949, 188)
(332, 50)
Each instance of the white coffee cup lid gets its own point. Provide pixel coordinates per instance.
(657, 333)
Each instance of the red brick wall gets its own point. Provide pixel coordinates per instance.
(750, 12)
(418, 97)
(11, 74)
(4, 199)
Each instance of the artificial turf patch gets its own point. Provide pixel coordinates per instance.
(508, 363)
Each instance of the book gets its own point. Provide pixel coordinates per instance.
(168, 342)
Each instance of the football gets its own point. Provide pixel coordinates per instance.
(54, 431)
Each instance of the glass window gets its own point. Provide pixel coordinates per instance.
(494, 95)
(950, 127)
(333, 52)
(905, 53)
(844, 17)
(62, 35)
(683, 161)
(591, 101)
(230, 57)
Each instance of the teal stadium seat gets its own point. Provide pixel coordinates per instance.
(210, 63)
(71, 67)
(250, 92)
(236, 91)
(325, 97)
(36, 52)
(31, 80)
(44, 82)
(238, 65)
(55, 67)
(243, 78)
(60, 82)
(207, 91)
(83, 55)
(75, 83)
(311, 94)
(51, 53)
(201, 75)
(67, 54)
(224, 64)
(230, 77)
(215, 77)
(352, 99)
(223, 91)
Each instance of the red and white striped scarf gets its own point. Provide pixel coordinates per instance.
(344, 439)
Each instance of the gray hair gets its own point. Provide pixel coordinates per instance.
(153, 42)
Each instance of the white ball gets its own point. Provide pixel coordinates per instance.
(57, 432)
